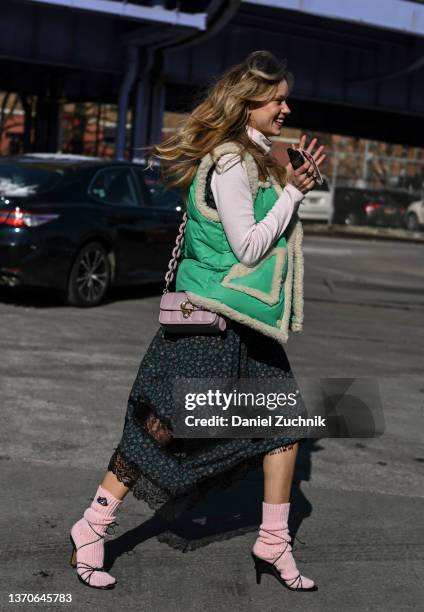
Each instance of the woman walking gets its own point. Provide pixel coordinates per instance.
(242, 258)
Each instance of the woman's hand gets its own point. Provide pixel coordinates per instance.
(304, 177)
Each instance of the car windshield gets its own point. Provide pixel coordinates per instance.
(160, 198)
(21, 180)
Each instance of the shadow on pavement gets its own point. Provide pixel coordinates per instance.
(222, 515)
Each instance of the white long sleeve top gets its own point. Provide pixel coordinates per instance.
(249, 240)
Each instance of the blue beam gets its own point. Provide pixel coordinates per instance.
(398, 15)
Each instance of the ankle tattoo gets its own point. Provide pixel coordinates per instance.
(281, 449)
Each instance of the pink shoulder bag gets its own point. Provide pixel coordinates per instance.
(178, 314)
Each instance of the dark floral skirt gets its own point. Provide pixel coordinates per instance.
(173, 474)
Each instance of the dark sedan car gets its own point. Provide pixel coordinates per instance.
(387, 208)
(376, 207)
(82, 225)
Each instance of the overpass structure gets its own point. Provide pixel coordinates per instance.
(358, 65)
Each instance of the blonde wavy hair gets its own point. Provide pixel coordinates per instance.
(222, 117)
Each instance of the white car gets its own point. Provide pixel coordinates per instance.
(318, 204)
(414, 215)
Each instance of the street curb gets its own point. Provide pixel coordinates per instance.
(382, 233)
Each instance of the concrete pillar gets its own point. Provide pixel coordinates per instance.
(141, 116)
(124, 93)
(149, 104)
(46, 125)
(158, 99)
(26, 102)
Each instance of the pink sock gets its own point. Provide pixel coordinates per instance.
(273, 544)
(88, 535)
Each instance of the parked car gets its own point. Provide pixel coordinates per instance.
(375, 207)
(383, 209)
(81, 225)
(160, 198)
(349, 206)
(318, 204)
(414, 216)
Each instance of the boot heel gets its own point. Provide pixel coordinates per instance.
(73, 560)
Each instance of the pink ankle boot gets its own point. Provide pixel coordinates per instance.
(87, 538)
(272, 551)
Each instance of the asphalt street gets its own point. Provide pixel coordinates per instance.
(65, 376)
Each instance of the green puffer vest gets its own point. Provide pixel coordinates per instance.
(267, 296)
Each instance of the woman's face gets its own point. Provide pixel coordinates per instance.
(269, 117)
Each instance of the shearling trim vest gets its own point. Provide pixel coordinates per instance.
(268, 296)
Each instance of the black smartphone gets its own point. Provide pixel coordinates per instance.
(296, 158)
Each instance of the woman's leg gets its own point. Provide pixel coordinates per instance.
(88, 533)
(273, 543)
(278, 466)
(114, 486)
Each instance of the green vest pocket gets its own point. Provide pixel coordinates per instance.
(262, 281)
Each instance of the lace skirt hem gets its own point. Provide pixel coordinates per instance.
(169, 506)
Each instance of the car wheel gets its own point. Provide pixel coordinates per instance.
(412, 222)
(90, 276)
